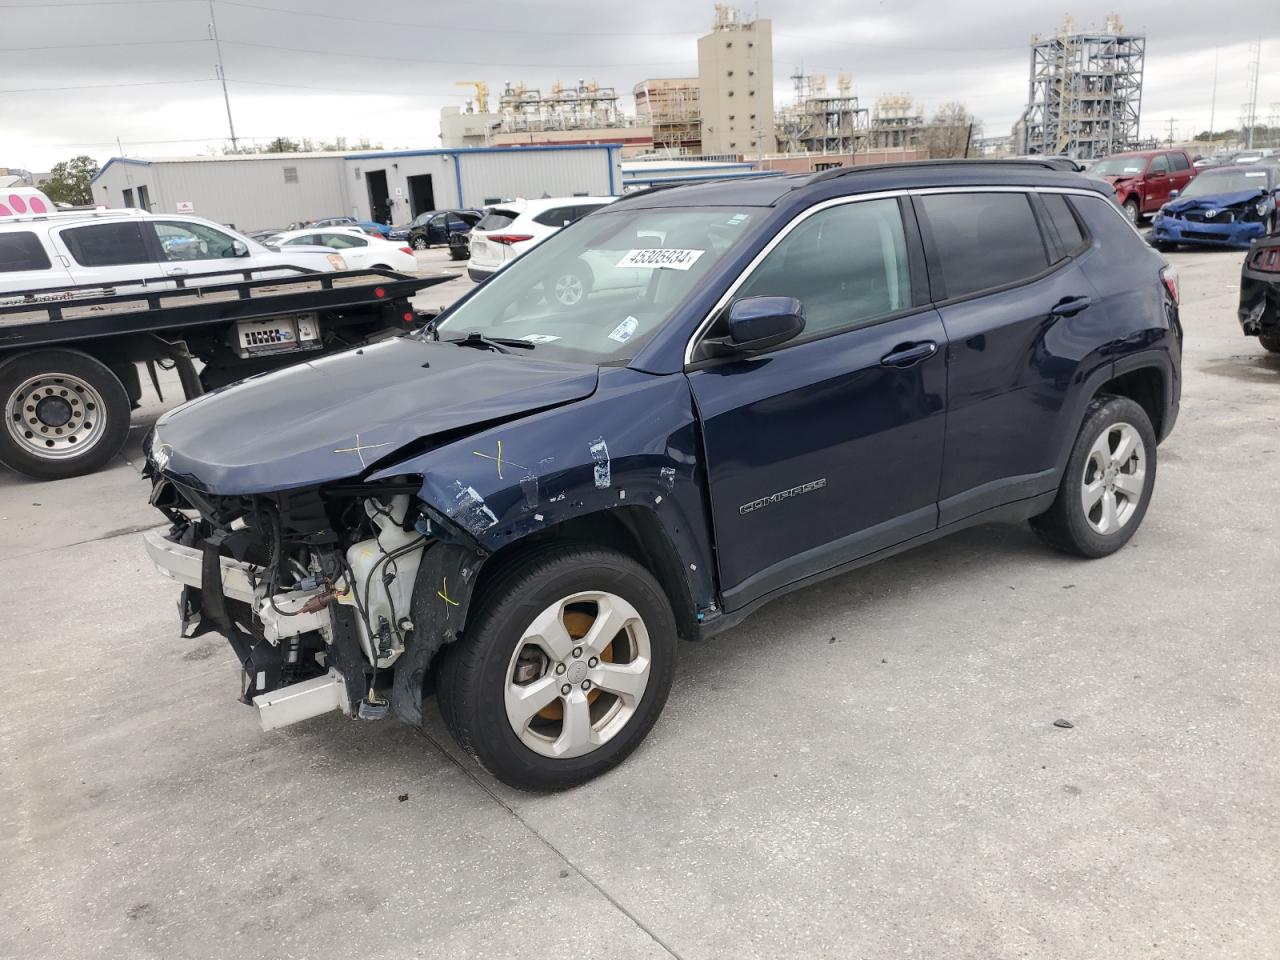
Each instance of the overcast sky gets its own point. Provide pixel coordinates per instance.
(143, 71)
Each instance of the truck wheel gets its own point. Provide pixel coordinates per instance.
(1132, 211)
(65, 414)
(1107, 484)
(1270, 341)
(564, 668)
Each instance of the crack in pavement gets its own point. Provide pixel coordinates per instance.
(515, 815)
(109, 535)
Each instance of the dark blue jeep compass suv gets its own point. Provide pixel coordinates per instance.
(755, 385)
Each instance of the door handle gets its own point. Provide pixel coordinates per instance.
(908, 354)
(176, 271)
(1069, 306)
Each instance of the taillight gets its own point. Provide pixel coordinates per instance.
(1266, 260)
(408, 316)
(379, 292)
(1169, 276)
(408, 250)
(506, 239)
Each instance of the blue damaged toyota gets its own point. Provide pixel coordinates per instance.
(1222, 207)
(672, 412)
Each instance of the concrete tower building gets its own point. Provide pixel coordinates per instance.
(735, 77)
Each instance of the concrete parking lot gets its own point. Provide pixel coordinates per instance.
(868, 768)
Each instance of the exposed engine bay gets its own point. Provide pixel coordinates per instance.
(315, 591)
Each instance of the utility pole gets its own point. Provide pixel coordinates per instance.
(1251, 108)
(1213, 102)
(222, 75)
(1171, 123)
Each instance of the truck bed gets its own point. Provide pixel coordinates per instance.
(83, 312)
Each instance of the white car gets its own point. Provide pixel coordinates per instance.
(40, 250)
(511, 228)
(357, 248)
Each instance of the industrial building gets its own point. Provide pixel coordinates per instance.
(261, 191)
(671, 107)
(820, 121)
(896, 121)
(1086, 92)
(735, 80)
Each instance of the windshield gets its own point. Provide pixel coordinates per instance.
(598, 290)
(1213, 182)
(1119, 167)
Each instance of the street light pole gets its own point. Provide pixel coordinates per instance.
(222, 75)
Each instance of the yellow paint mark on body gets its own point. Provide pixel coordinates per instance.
(443, 592)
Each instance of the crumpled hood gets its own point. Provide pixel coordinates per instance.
(1215, 201)
(333, 417)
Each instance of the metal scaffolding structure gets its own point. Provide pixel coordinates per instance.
(1086, 92)
(671, 106)
(897, 121)
(584, 107)
(820, 121)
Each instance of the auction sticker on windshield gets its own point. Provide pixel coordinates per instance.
(661, 258)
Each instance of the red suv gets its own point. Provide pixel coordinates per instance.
(1145, 179)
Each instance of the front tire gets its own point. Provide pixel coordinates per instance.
(65, 414)
(1270, 341)
(564, 668)
(1132, 211)
(1107, 484)
(419, 243)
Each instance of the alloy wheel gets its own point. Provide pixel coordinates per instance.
(1115, 476)
(570, 289)
(577, 674)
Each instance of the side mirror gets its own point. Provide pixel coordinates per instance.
(239, 248)
(1173, 193)
(760, 323)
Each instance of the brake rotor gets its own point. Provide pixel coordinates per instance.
(577, 623)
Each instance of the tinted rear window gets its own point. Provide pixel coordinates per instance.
(557, 216)
(497, 219)
(1064, 221)
(984, 240)
(22, 251)
(107, 244)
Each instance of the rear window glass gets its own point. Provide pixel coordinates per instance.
(984, 240)
(107, 244)
(557, 216)
(22, 251)
(1065, 221)
(497, 219)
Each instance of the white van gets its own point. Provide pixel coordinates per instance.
(41, 248)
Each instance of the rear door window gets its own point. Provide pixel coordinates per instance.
(1179, 161)
(497, 219)
(557, 216)
(108, 244)
(22, 251)
(1064, 221)
(983, 240)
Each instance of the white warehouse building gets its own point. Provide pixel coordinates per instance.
(266, 191)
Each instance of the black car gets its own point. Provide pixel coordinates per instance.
(1260, 293)
(436, 226)
(763, 384)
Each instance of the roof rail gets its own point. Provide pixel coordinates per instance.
(1048, 163)
(71, 214)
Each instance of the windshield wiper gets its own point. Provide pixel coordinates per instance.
(498, 344)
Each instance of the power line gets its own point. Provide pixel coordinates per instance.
(436, 28)
(99, 3)
(105, 43)
(452, 63)
(102, 86)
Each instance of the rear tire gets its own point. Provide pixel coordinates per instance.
(1270, 341)
(65, 414)
(1107, 485)
(537, 631)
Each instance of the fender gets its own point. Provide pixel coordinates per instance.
(633, 443)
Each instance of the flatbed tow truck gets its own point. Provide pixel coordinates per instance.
(70, 357)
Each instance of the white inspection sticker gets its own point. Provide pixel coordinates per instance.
(1255, 173)
(539, 338)
(661, 258)
(624, 331)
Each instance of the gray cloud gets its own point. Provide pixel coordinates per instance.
(303, 70)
